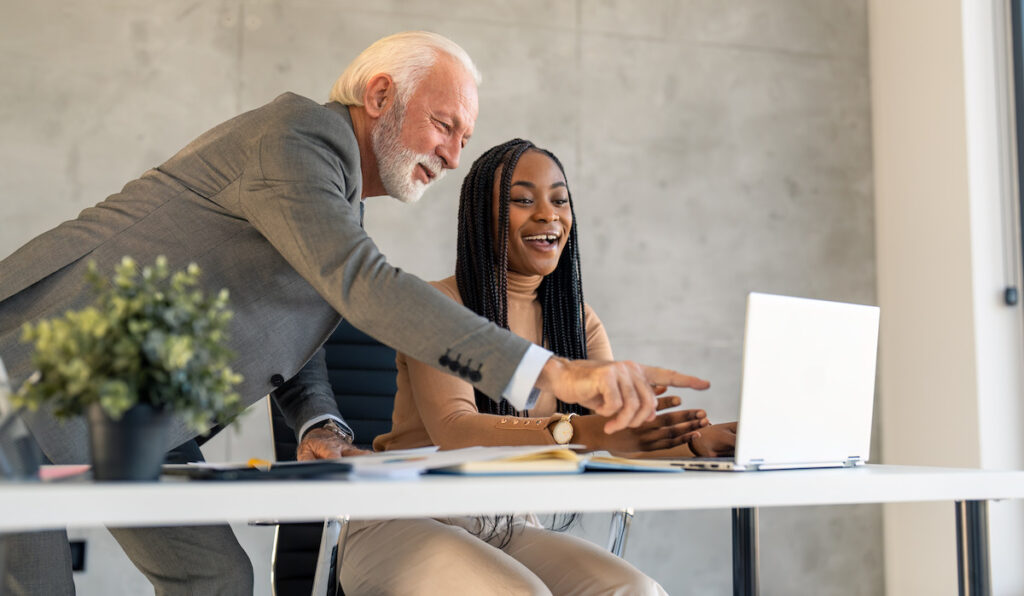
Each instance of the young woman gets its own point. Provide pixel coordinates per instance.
(518, 265)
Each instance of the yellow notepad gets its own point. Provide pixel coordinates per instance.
(556, 460)
(604, 461)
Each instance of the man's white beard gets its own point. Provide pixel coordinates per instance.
(396, 163)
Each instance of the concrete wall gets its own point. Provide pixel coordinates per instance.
(713, 148)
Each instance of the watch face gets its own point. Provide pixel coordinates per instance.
(562, 432)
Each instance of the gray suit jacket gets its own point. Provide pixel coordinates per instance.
(267, 204)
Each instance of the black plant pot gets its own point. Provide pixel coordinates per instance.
(132, 448)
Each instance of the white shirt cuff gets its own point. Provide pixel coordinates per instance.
(345, 427)
(520, 391)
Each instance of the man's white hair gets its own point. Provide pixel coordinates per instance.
(407, 57)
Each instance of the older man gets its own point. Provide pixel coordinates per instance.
(269, 205)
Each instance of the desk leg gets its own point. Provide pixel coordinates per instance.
(972, 548)
(745, 560)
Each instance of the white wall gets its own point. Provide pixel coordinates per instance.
(950, 353)
(995, 248)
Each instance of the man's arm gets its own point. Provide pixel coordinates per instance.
(622, 391)
(306, 400)
(632, 384)
(302, 193)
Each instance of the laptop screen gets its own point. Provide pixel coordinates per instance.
(808, 381)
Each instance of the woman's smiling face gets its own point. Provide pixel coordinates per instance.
(539, 215)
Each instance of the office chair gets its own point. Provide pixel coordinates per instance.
(362, 373)
(20, 457)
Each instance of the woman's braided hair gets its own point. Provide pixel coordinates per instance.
(481, 272)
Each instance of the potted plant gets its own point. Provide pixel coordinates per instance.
(151, 345)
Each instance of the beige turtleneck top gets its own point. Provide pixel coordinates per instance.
(434, 408)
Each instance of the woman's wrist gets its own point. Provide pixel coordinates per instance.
(589, 431)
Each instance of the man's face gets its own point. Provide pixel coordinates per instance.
(415, 143)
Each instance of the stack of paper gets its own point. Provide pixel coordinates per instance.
(552, 460)
(405, 463)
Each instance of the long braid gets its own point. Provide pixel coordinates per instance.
(481, 266)
(481, 270)
(481, 274)
(561, 298)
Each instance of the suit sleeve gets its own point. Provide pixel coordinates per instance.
(308, 397)
(447, 406)
(300, 192)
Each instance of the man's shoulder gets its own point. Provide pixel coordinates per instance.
(294, 107)
(293, 123)
(285, 115)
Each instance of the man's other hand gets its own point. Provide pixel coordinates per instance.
(622, 391)
(321, 443)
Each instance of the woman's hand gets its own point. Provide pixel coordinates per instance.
(666, 430)
(717, 440)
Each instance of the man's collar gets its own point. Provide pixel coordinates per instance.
(341, 109)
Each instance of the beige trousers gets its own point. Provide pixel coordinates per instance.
(443, 556)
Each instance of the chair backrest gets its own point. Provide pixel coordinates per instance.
(362, 373)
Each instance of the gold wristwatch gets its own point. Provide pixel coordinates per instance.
(562, 430)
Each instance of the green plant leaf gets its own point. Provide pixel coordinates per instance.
(151, 336)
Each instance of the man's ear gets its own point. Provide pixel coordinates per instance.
(379, 95)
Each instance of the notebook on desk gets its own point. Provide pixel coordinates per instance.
(808, 386)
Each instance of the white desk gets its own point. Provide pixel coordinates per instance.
(37, 506)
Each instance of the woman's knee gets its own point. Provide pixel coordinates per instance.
(472, 566)
(633, 582)
(431, 557)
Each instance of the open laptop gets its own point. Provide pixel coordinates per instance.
(808, 386)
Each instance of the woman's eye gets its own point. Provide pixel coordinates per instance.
(521, 200)
(561, 202)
